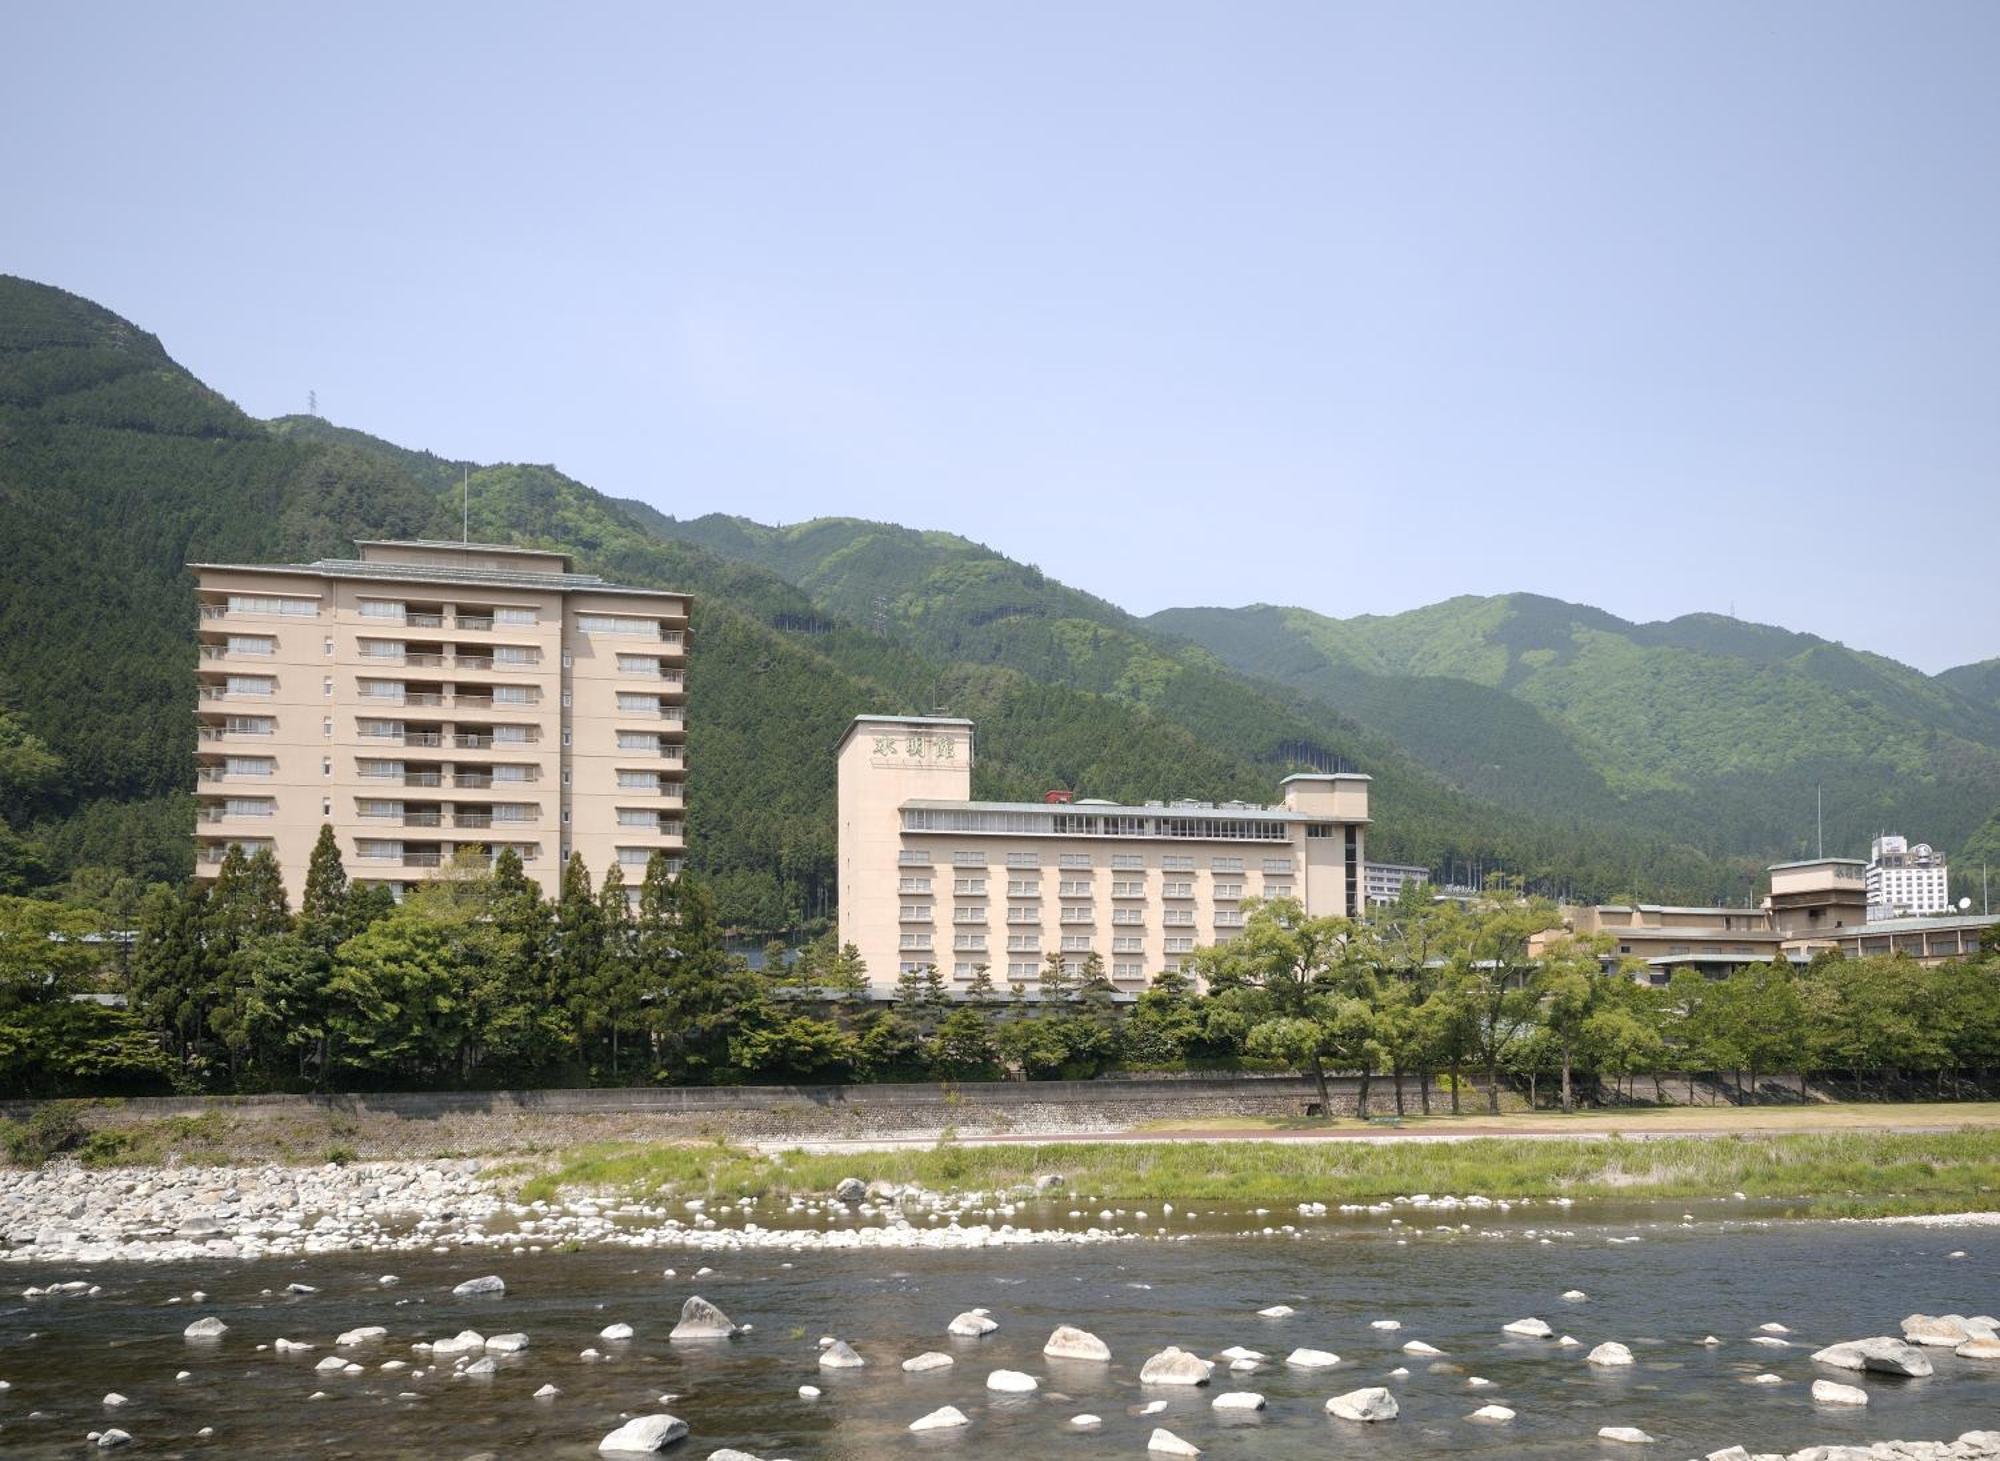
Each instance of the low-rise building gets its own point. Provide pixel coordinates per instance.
(928, 876)
(1383, 882)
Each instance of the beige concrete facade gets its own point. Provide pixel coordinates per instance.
(929, 876)
(432, 698)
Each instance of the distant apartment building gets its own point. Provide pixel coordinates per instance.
(1383, 882)
(1905, 881)
(435, 699)
(930, 877)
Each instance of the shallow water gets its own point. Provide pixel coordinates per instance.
(1660, 1296)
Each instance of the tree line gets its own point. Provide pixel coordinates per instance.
(477, 980)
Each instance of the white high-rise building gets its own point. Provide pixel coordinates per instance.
(1905, 881)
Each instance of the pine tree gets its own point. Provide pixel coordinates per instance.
(613, 1000)
(325, 906)
(708, 995)
(1058, 980)
(979, 988)
(579, 948)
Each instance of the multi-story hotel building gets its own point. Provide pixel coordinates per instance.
(1904, 881)
(1383, 882)
(435, 699)
(929, 876)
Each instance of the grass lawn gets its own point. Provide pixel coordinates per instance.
(1843, 1116)
(1823, 1173)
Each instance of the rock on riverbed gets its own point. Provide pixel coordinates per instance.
(643, 1435)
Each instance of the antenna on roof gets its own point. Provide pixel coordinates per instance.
(312, 403)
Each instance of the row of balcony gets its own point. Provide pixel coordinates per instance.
(671, 640)
(1069, 917)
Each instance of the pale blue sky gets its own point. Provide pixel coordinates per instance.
(1653, 306)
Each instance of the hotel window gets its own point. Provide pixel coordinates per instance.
(381, 609)
(325, 807)
(1172, 966)
(1076, 943)
(968, 913)
(1180, 945)
(248, 806)
(1128, 861)
(251, 684)
(911, 966)
(513, 616)
(252, 644)
(642, 664)
(914, 913)
(1277, 864)
(513, 694)
(975, 887)
(634, 856)
(1024, 943)
(520, 735)
(1128, 890)
(249, 765)
(913, 857)
(1177, 862)
(1277, 890)
(638, 741)
(1024, 914)
(260, 604)
(645, 704)
(615, 624)
(1126, 943)
(630, 780)
(1228, 918)
(372, 849)
(1073, 888)
(1128, 915)
(914, 941)
(1078, 913)
(326, 687)
(329, 645)
(1226, 864)
(1229, 891)
(968, 859)
(969, 943)
(1023, 888)
(1177, 890)
(569, 660)
(1179, 917)
(1022, 970)
(1128, 970)
(634, 817)
(913, 885)
(1073, 859)
(566, 735)
(326, 766)
(1024, 859)
(249, 725)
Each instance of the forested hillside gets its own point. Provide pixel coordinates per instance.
(1717, 731)
(1589, 756)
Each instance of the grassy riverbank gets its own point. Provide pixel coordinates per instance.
(1823, 1174)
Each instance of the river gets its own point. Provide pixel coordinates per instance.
(1724, 1273)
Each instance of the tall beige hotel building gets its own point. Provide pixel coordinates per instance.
(929, 876)
(430, 699)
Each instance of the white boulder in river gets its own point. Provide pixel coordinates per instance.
(1373, 1403)
(1609, 1353)
(1832, 1392)
(944, 1418)
(1071, 1343)
(1237, 1400)
(1012, 1382)
(474, 1287)
(840, 1355)
(1883, 1355)
(1495, 1413)
(1631, 1435)
(1164, 1442)
(702, 1320)
(643, 1435)
(208, 1328)
(1528, 1329)
(972, 1324)
(1946, 1331)
(1175, 1366)
(1312, 1359)
(929, 1360)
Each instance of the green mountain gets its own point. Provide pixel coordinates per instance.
(1979, 682)
(1716, 731)
(117, 467)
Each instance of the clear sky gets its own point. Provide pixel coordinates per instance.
(1661, 307)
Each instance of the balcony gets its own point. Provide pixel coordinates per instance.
(422, 859)
(423, 819)
(422, 778)
(212, 693)
(472, 780)
(423, 657)
(472, 819)
(211, 815)
(423, 738)
(423, 620)
(473, 740)
(472, 621)
(215, 611)
(473, 699)
(218, 732)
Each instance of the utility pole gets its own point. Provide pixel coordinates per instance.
(1819, 819)
(465, 507)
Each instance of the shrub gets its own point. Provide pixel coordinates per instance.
(56, 1126)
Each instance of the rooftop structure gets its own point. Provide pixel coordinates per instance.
(1903, 880)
